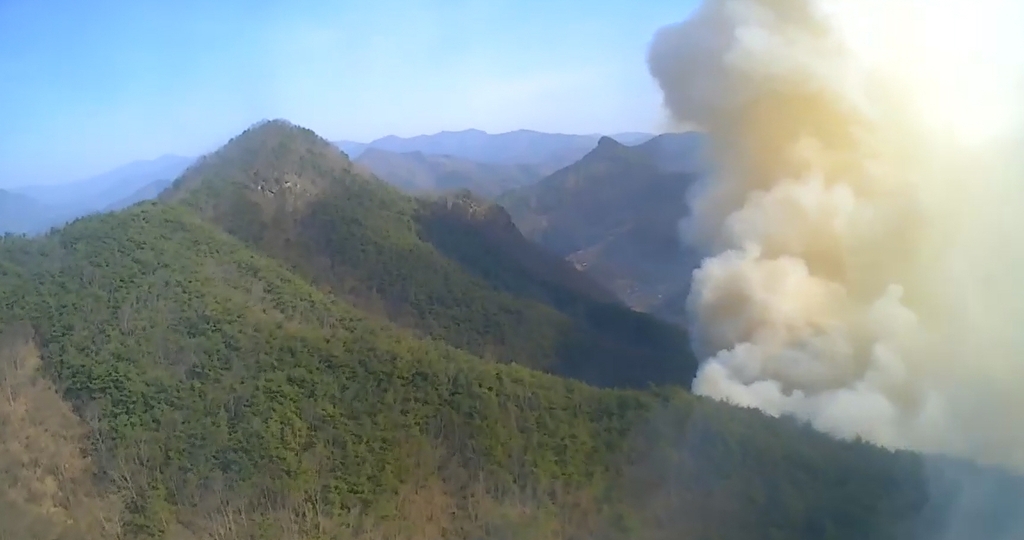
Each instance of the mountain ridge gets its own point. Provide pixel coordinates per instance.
(293, 195)
(124, 180)
(615, 213)
(21, 214)
(419, 173)
(56, 204)
(523, 146)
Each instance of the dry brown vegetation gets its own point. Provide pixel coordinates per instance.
(46, 479)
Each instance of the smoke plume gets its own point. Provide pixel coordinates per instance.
(865, 222)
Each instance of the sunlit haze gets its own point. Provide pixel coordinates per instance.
(87, 86)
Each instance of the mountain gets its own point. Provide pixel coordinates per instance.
(551, 151)
(629, 138)
(166, 375)
(615, 213)
(147, 192)
(352, 149)
(481, 237)
(21, 214)
(416, 172)
(108, 189)
(295, 197)
(35, 209)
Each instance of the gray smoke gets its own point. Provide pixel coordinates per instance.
(865, 224)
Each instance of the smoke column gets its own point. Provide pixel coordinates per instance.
(864, 226)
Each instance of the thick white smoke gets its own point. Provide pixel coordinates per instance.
(865, 223)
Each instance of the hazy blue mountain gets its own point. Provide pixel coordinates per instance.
(351, 148)
(549, 150)
(22, 214)
(630, 138)
(419, 173)
(145, 193)
(99, 192)
(674, 152)
(36, 208)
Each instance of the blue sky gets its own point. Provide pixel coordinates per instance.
(87, 86)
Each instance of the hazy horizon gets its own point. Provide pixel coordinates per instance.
(172, 155)
(91, 88)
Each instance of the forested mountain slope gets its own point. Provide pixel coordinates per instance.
(228, 398)
(294, 196)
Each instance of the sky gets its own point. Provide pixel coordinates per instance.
(88, 86)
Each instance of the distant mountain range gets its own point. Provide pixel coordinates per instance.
(420, 173)
(98, 192)
(472, 159)
(551, 150)
(145, 193)
(610, 205)
(22, 214)
(54, 204)
(486, 164)
(454, 268)
(615, 213)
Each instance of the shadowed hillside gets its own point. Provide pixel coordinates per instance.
(480, 236)
(616, 214)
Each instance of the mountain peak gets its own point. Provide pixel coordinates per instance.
(470, 131)
(609, 143)
(607, 148)
(271, 158)
(276, 131)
